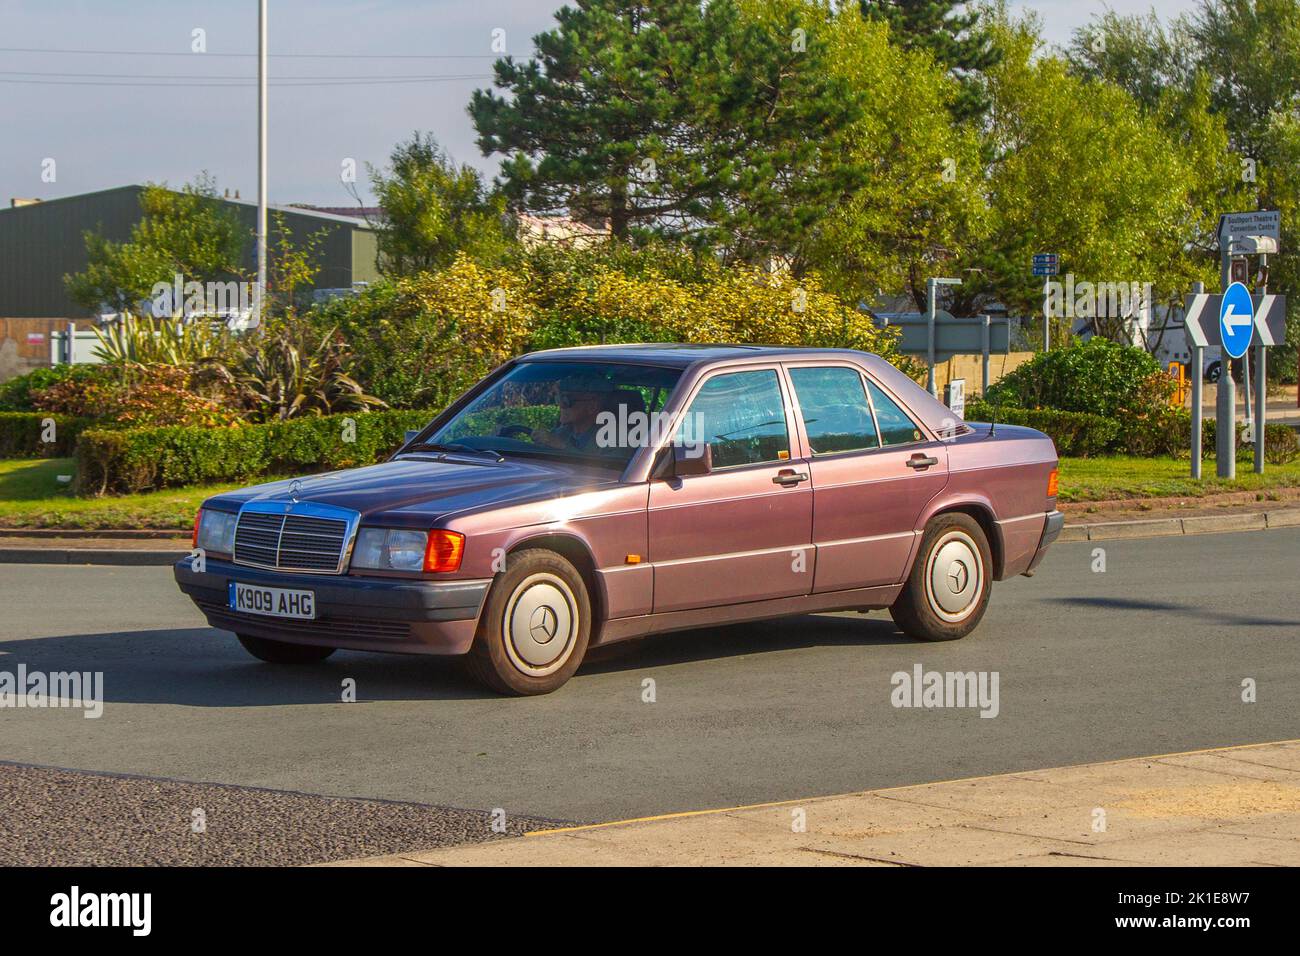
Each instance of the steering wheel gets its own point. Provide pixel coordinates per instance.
(511, 431)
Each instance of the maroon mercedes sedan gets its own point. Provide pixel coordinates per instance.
(585, 496)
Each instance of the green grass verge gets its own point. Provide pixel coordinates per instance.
(31, 495)
(1106, 479)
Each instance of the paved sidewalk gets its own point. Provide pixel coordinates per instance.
(1237, 806)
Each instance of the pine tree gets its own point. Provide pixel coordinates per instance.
(673, 117)
(953, 34)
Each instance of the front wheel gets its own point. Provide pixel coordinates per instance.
(947, 591)
(535, 626)
(281, 652)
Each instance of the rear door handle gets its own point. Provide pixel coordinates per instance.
(788, 477)
(921, 462)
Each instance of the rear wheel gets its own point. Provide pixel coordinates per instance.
(535, 626)
(947, 591)
(281, 652)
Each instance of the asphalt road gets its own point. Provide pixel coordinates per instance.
(1147, 657)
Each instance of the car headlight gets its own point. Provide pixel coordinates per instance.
(390, 549)
(216, 531)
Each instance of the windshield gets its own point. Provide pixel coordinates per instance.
(591, 411)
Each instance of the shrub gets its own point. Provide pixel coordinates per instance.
(1281, 443)
(287, 369)
(1076, 434)
(143, 395)
(421, 341)
(1098, 377)
(141, 459)
(23, 434)
(16, 394)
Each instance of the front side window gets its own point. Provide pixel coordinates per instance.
(896, 426)
(597, 412)
(742, 417)
(835, 410)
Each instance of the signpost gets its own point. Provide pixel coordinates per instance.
(1046, 264)
(1236, 320)
(1231, 321)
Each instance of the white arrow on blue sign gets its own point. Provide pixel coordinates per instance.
(1236, 320)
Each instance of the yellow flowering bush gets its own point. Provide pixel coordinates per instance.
(424, 339)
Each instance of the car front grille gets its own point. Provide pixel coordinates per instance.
(289, 541)
(350, 629)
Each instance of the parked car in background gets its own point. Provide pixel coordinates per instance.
(580, 497)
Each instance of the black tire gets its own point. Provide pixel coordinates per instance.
(948, 589)
(539, 600)
(281, 652)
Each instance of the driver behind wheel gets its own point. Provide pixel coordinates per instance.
(581, 400)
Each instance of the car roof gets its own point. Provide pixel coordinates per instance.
(920, 402)
(676, 354)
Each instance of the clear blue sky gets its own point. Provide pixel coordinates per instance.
(102, 133)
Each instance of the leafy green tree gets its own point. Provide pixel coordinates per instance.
(1123, 194)
(434, 209)
(1137, 52)
(191, 232)
(923, 203)
(678, 118)
(954, 33)
(1241, 58)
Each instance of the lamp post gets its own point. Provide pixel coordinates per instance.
(260, 292)
(931, 289)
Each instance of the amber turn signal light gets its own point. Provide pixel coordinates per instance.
(444, 551)
(194, 538)
(1051, 484)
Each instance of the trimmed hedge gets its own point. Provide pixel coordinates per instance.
(124, 461)
(1083, 435)
(1281, 443)
(22, 434)
(1076, 434)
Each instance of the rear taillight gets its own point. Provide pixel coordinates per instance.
(444, 551)
(1051, 484)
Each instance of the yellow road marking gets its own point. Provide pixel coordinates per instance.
(910, 786)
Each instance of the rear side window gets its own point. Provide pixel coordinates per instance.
(896, 426)
(742, 417)
(835, 410)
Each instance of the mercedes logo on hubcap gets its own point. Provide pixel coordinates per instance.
(957, 576)
(543, 624)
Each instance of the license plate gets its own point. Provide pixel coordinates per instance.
(273, 602)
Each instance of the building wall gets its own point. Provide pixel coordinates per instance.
(43, 242)
(970, 368)
(25, 344)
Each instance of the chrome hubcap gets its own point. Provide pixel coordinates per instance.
(954, 577)
(541, 623)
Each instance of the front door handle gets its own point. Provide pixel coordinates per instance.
(921, 462)
(788, 477)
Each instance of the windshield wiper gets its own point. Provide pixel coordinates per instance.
(454, 448)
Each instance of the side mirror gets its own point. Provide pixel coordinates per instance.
(692, 460)
(410, 434)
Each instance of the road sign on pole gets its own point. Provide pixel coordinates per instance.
(1046, 264)
(1264, 222)
(1236, 320)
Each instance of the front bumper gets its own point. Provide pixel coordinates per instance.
(1051, 530)
(399, 615)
